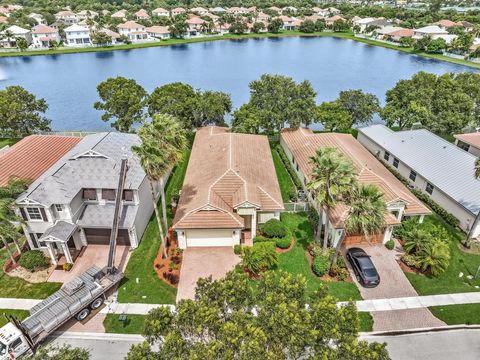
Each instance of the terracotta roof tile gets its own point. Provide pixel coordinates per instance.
(471, 139)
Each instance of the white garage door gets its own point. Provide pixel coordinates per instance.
(197, 238)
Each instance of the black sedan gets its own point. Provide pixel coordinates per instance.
(363, 267)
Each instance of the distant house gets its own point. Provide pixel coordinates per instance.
(3, 20)
(86, 14)
(397, 35)
(199, 10)
(276, 9)
(134, 31)
(72, 204)
(141, 15)
(288, 22)
(331, 20)
(38, 18)
(469, 142)
(444, 24)
(158, 32)
(195, 25)
(432, 165)
(289, 9)
(301, 144)
(43, 35)
(16, 32)
(120, 14)
(430, 30)
(177, 11)
(468, 26)
(261, 16)
(237, 10)
(230, 188)
(161, 12)
(112, 34)
(77, 36)
(218, 10)
(67, 17)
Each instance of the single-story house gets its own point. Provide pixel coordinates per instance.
(141, 15)
(430, 30)
(158, 32)
(469, 142)
(230, 188)
(161, 12)
(218, 10)
(444, 24)
(177, 11)
(199, 11)
(301, 144)
(72, 203)
(120, 14)
(433, 165)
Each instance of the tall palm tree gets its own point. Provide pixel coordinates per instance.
(163, 144)
(476, 174)
(333, 176)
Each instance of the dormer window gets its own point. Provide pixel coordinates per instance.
(89, 194)
(128, 195)
(108, 194)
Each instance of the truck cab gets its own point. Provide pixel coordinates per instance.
(13, 344)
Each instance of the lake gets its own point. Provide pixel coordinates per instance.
(68, 82)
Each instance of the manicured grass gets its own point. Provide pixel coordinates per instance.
(366, 321)
(133, 325)
(149, 288)
(460, 262)
(19, 314)
(284, 179)
(13, 287)
(458, 314)
(295, 260)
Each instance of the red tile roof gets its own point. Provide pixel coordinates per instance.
(471, 139)
(33, 155)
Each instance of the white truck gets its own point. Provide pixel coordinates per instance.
(76, 299)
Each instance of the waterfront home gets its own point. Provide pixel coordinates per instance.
(469, 142)
(430, 30)
(77, 36)
(363, 23)
(134, 31)
(161, 12)
(199, 11)
(114, 36)
(331, 20)
(261, 16)
(218, 10)
(86, 14)
(444, 24)
(15, 33)
(158, 32)
(301, 144)
(66, 17)
(120, 14)
(397, 35)
(195, 25)
(385, 31)
(177, 11)
(72, 204)
(289, 23)
(230, 188)
(222, 29)
(43, 36)
(40, 20)
(432, 165)
(141, 15)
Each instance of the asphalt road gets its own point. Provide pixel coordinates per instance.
(442, 345)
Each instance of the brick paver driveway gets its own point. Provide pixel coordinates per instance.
(202, 262)
(393, 284)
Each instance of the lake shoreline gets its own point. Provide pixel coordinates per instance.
(170, 42)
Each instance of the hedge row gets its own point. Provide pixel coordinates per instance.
(444, 214)
(288, 166)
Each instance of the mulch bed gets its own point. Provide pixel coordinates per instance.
(408, 269)
(327, 276)
(280, 251)
(162, 266)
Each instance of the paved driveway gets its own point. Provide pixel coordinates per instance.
(393, 284)
(202, 262)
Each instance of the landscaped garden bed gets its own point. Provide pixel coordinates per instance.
(168, 269)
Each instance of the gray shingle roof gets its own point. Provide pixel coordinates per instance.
(102, 216)
(443, 164)
(62, 230)
(93, 163)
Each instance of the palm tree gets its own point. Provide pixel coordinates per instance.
(333, 176)
(435, 256)
(163, 143)
(366, 215)
(476, 174)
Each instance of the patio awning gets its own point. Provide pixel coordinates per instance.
(61, 231)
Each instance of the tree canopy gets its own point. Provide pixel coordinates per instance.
(228, 320)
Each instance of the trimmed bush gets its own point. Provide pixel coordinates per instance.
(260, 257)
(320, 265)
(390, 244)
(283, 243)
(237, 249)
(273, 228)
(288, 166)
(260, 238)
(67, 266)
(32, 260)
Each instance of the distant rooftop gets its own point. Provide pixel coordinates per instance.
(471, 139)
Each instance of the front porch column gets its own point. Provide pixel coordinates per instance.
(51, 253)
(420, 219)
(66, 252)
(388, 233)
(83, 237)
(254, 224)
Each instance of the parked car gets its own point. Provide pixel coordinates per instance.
(363, 267)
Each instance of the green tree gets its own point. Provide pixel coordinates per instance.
(333, 116)
(332, 179)
(65, 352)
(101, 38)
(245, 120)
(320, 25)
(434, 257)
(361, 106)
(179, 28)
(307, 26)
(163, 144)
(239, 26)
(211, 108)
(259, 257)
(340, 26)
(22, 44)
(275, 26)
(21, 113)
(406, 42)
(436, 46)
(228, 320)
(122, 99)
(258, 27)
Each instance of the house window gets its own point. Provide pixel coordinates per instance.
(413, 175)
(395, 162)
(58, 207)
(35, 237)
(108, 194)
(386, 156)
(34, 213)
(463, 145)
(128, 195)
(89, 194)
(429, 188)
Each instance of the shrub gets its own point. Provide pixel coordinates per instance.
(260, 238)
(273, 228)
(32, 260)
(434, 257)
(237, 249)
(410, 260)
(288, 166)
(293, 195)
(260, 257)
(320, 265)
(283, 243)
(341, 262)
(67, 266)
(390, 244)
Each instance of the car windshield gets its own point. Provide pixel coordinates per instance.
(3, 349)
(370, 272)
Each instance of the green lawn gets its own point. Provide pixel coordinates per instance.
(19, 314)
(149, 288)
(458, 314)
(449, 281)
(295, 260)
(284, 180)
(13, 287)
(133, 324)
(366, 321)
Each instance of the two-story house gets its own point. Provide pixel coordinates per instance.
(77, 35)
(43, 36)
(66, 17)
(72, 204)
(134, 31)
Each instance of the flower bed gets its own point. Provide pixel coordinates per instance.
(168, 269)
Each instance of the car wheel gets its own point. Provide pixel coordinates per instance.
(82, 315)
(96, 303)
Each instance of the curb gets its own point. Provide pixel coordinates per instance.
(420, 330)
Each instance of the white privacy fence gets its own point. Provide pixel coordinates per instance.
(295, 207)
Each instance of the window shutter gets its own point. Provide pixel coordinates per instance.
(24, 215)
(44, 214)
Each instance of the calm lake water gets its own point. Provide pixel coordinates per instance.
(68, 82)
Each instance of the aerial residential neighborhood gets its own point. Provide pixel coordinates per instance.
(239, 180)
